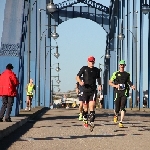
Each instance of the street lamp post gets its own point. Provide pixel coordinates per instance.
(56, 55)
(45, 56)
(39, 51)
(51, 81)
(54, 35)
(52, 8)
(100, 71)
(52, 91)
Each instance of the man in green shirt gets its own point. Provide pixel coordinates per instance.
(120, 80)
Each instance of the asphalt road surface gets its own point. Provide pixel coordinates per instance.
(59, 129)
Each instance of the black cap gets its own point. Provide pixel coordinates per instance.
(9, 66)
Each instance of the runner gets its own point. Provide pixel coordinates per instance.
(90, 74)
(79, 91)
(120, 80)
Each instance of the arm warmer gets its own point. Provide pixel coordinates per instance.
(99, 81)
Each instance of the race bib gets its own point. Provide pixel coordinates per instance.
(121, 87)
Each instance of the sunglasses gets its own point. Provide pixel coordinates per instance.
(92, 61)
(122, 64)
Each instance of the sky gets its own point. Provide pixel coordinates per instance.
(78, 39)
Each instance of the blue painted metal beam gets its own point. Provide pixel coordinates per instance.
(123, 30)
(38, 60)
(128, 41)
(90, 3)
(118, 32)
(112, 51)
(33, 43)
(111, 70)
(11, 44)
(148, 103)
(141, 58)
(134, 54)
(106, 78)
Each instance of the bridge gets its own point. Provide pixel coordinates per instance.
(24, 37)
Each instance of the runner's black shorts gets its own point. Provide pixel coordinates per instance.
(89, 96)
(30, 97)
(120, 101)
(80, 98)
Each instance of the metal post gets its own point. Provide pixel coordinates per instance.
(128, 42)
(141, 58)
(51, 102)
(135, 40)
(39, 51)
(58, 76)
(119, 31)
(100, 72)
(50, 64)
(123, 30)
(36, 53)
(58, 65)
(28, 52)
(106, 78)
(45, 73)
(128, 36)
(134, 55)
(148, 103)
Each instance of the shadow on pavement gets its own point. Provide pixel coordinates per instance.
(6, 142)
(139, 114)
(70, 117)
(74, 137)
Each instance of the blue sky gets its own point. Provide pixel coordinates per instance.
(79, 38)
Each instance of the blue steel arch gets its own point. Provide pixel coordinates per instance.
(90, 3)
(86, 12)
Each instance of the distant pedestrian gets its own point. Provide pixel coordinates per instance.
(8, 84)
(30, 89)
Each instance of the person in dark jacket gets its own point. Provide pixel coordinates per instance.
(8, 84)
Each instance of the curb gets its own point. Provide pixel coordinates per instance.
(12, 128)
